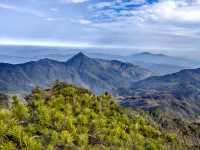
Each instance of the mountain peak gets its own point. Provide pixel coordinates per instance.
(79, 58)
(45, 60)
(80, 55)
(145, 53)
(151, 54)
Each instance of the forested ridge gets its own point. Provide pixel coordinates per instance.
(68, 117)
(95, 74)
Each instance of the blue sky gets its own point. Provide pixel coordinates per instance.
(155, 25)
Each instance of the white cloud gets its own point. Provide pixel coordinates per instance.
(173, 14)
(50, 19)
(166, 24)
(74, 1)
(22, 10)
(5, 41)
(168, 10)
(85, 22)
(54, 10)
(171, 10)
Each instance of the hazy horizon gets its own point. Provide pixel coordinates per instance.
(39, 50)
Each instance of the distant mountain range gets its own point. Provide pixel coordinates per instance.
(160, 64)
(96, 74)
(147, 57)
(136, 82)
(178, 93)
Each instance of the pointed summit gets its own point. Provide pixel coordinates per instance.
(80, 55)
(79, 58)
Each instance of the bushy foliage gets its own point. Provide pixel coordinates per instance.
(67, 117)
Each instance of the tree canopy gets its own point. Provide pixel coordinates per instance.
(68, 117)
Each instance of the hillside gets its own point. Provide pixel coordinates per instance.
(95, 74)
(176, 93)
(67, 117)
(160, 69)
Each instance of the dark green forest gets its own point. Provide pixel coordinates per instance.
(69, 117)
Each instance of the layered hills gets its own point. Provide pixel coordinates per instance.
(96, 74)
(178, 93)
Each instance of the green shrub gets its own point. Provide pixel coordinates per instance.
(67, 117)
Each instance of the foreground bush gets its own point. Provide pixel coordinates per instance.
(67, 117)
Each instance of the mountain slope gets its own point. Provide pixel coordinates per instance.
(67, 117)
(189, 78)
(95, 74)
(178, 93)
